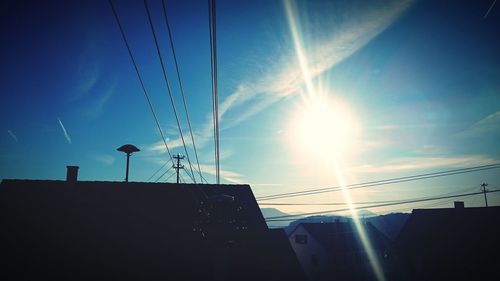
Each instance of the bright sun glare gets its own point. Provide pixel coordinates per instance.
(325, 128)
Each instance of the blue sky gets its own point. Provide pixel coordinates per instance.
(417, 80)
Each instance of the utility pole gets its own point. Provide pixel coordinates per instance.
(178, 165)
(484, 190)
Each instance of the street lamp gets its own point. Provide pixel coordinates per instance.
(128, 149)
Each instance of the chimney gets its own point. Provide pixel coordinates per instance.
(72, 173)
(459, 204)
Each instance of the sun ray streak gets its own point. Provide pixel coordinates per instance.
(365, 241)
(301, 56)
(310, 97)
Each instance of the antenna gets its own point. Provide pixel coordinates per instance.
(128, 149)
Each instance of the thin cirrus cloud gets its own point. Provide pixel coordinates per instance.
(12, 135)
(96, 108)
(91, 89)
(65, 132)
(488, 124)
(426, 163)
(229, 176)
(284, 79)
(104, 159)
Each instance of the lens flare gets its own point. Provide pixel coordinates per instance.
(325, 128)
(365, 241)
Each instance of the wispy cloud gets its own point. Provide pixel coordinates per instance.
(96, 107)
(266, 184)
(489, 10)
(66, 135)
(387, 127)
(88, 74)
(104, 159)
(490, 123)
(227, 175)
(91, 91)
(284, 79)
(14, 137)
(426, 163)
(159, 146)
(88, 82)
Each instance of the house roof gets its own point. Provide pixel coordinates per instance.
(343, 236)
(449, 224)
(449, 244)
(115, 230)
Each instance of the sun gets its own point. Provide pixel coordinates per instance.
(324, 128)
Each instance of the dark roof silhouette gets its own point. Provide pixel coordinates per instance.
(343, 236)
(136, 231)
(341, 254)
(447, 244)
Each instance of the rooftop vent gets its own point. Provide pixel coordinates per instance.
(459, 204)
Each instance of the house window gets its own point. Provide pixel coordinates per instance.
(386, 254)
(301, 239)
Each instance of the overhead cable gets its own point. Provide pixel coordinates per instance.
(161, 176)
(157, 171)
(172, 46)
(151, 108)
(381, 182)
(354, 202)
(215, 98)
(172, 102)
(287, 217)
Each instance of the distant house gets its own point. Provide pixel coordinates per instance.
(451, 244)
(84, 230)
(333, 251)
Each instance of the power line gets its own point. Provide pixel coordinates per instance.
(168, 87)
(181, 88)
(323, 204)
(287, 217)
(156, 172)
(122, 32)
(215, 98)
(193, 195)
(381, 182)
(182, 179)
(170, 176)
(427, 205)
(161, 176)
(354, 203)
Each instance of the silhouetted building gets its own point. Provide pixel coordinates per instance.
(451, 244)
(334, 251)
(83, 230)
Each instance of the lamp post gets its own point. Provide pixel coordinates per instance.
(128, 149)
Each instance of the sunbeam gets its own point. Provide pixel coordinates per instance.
(365, 241)
(299, 51)
(326, 129)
